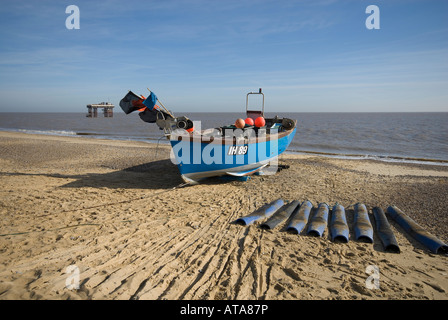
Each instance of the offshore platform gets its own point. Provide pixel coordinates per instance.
(108, 109)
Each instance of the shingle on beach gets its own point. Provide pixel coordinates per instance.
(115, 210)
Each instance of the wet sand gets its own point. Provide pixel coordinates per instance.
(116, 212)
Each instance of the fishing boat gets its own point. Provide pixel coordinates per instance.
(241, 149)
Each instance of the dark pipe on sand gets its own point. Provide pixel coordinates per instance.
(281, 215)
(299, 217)
(362, 226)
(264, 212)
(430, 241)
(318, 222)
(385, 232)
(338, 225)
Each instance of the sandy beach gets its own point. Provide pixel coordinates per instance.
(113, 217)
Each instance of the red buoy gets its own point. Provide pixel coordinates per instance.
(239, 123)
(249, 121)
(260, 122)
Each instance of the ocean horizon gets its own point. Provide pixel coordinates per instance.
(389, 136)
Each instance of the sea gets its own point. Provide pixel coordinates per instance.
(394, 137)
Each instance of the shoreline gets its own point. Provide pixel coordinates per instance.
(114, 209)
(389, 159)
(349, 156)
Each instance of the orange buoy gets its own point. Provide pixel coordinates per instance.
(249, 121)
(260, 122)
(239, 123)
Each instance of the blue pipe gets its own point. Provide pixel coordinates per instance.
(338, 225)
(430, 241)
(385, 232)
(264, 212)
(282, 214)
(299, 217)
(318, 222)
(362, 226)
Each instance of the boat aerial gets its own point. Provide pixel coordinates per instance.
(241, 149)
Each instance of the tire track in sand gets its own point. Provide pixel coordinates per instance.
(200, 262)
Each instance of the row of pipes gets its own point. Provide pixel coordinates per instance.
(298, 217)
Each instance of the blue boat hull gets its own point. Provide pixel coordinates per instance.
(198, 159)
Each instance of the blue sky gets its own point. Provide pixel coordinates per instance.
(308, 56)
